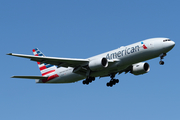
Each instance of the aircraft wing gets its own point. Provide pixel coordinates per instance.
(63, 62)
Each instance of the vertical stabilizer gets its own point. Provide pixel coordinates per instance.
(46, 69)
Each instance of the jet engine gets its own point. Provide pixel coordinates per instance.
(140, 68)
(98, 64)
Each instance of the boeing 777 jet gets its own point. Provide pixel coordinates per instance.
(124, 59)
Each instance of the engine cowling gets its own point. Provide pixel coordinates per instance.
(98, 64)
(140, 68)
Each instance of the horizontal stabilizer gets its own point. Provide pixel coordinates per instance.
(30, 77)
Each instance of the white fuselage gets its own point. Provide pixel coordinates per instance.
(121, 58)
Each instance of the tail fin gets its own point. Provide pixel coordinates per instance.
(46, 69)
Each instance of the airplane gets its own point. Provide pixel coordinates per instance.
(124, 59)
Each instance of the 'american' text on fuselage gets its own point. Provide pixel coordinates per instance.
(122, 52)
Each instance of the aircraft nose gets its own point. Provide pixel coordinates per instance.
(171, 44)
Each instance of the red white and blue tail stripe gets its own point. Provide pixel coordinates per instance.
(46, 69)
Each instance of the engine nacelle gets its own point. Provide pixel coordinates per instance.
(98, 64)
(140, 68)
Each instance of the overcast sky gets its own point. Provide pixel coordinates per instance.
(81, 29)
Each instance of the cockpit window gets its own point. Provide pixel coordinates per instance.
(166, 40)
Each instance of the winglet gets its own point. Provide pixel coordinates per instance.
(9, 54)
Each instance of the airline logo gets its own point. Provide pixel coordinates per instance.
(46, 69)
(144, 46)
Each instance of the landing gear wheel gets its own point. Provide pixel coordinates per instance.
(84, 82)
(108, 84)
(112, 82)
(161, 62)
(162, 57)
(117, 81)
(88, 80)
(93, 78)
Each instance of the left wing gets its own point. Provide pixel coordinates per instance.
(63, 62)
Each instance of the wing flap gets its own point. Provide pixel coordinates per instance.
(64, 62)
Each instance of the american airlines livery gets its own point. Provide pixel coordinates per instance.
(124, 59)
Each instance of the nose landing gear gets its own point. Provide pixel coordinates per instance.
(162, 57)
(161, 62)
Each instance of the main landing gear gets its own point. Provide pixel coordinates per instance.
(162, 57)
(88, 80)
(112, 81)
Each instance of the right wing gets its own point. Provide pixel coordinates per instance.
(63, 62)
